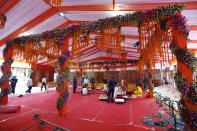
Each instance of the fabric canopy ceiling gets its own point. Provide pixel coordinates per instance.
(26, 17)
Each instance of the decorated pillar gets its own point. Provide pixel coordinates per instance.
(184, 81)
(149, 75)
(6, 70)
(63, 77)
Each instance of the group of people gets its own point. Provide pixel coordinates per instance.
(14, 80)
(30, 84)
(83, 82)
(112, 88)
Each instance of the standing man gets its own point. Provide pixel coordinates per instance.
(29, 85)
(145, 82)
(13, 83)
(112, 84)
(93, 82)
(74, 84)
(43, 83)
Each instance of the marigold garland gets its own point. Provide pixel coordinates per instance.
(187, 90)
(58, 35)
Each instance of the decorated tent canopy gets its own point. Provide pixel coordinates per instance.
(163, 33)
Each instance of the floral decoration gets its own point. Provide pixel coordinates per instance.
(5, 77)
(63, 57)
(62, 100)
(184, 55)
(65, 94)
(187, 90)
(188, 115)
(6, 63)
(180, 23)
(59, 35)
(62, 77)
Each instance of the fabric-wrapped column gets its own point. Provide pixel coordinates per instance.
(6, 70)
(62, 86)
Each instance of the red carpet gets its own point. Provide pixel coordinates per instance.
(85, 113)
(115, 113)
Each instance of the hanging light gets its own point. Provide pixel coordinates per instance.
(2, 20)
(61, 13)
(54, 2)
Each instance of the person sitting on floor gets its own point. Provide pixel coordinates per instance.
(116, 90)
(138, 91)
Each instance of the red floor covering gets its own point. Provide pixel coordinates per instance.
(85, 113)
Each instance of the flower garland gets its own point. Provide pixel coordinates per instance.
(60, 82)
(187, 90)
(5, 77)
(63, 57)
(6, 63)
(184, 55)
(180, 23)
(61, 78)
(139, 17)
(62, 100)
(188, 115)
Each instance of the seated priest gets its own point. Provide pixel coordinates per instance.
(138, 91)
(117, 90)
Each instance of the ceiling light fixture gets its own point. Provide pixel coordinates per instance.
(61, 13)
(25, 34)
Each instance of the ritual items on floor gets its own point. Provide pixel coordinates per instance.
(103, 97)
